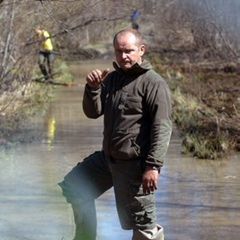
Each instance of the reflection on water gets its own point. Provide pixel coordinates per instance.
(196, 200)
(51, 131)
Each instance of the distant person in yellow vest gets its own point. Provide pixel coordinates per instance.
(45, 53)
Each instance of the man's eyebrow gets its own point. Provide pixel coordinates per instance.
(125, 50)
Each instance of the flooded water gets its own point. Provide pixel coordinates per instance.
(196, 199)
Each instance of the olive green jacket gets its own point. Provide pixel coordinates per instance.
(137, 113)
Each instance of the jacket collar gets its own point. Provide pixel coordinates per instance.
(137, 69)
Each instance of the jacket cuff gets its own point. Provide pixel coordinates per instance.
(92, 88)
(154, 163)
(154, 167)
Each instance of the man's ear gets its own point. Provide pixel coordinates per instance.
(142, 50)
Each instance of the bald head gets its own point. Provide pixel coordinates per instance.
(131, 33)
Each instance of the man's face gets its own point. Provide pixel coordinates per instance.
(38, 31)
(127, 51)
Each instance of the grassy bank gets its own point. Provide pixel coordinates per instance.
(206, 109)
(22, 102)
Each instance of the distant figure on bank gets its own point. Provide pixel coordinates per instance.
(45, 53)
(136, 104)
(134, 17)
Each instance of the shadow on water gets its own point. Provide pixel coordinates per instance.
(196, 200)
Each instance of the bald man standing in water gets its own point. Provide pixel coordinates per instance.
(136, 104)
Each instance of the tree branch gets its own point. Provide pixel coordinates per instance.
(66, 31)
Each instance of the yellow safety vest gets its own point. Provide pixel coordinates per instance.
(47, 43)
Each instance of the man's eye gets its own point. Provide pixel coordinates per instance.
(125, 52)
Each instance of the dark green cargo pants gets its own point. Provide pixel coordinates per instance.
(95, 175)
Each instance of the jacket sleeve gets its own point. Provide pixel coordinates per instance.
(92, 102)
(160, 107)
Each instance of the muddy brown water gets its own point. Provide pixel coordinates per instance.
(196, 199)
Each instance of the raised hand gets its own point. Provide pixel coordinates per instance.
(96, 77)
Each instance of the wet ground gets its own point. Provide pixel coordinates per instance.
(196, 200)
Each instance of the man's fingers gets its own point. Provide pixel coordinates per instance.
(105, 73)
(148, 188)
(96, 77)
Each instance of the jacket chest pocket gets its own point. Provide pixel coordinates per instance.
(132, 105)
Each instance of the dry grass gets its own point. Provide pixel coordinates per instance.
(206, 108)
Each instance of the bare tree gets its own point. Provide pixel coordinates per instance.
(7, 48)
(206, 28)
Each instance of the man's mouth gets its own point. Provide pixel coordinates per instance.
(126, 63)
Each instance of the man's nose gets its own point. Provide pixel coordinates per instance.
(124, 55)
